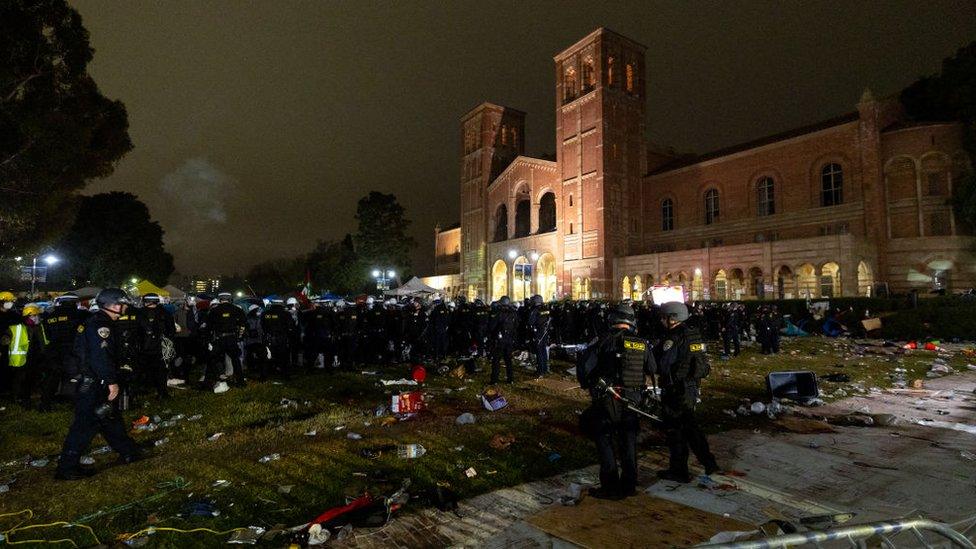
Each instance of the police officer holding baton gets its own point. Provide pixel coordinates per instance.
(97, 349)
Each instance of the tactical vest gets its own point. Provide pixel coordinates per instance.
(19, 343)
(632, 369)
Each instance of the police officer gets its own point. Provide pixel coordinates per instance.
(731, 344)
(439, 329)
(255, 353)
(61, 325)
(503, 329)
(127, 332)
(97, 348)
(317, 326)
(620, 360)
(540, 323)
(226, 324)
(155, 323)
(279, 327)
(347, 323)
(682, 364)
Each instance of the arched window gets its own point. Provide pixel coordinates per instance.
(547, 213)
(831, 185)
(569, 85)
(501, 223)
(523, 214)
(589, 79)
(765, 197)
(711, 206)
(667, 215)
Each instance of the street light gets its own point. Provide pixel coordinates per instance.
(383, 278)
(49, 259)
(512, 254)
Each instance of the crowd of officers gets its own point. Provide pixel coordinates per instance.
(147, 344)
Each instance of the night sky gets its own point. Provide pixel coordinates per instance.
(258, 125)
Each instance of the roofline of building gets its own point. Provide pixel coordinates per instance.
(748, 146)
(599, 30)
(917, 125)
(489, 105)
(521, 158)
(453, 227)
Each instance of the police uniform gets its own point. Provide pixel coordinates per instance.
(621, 360)
(318, 336)
(155, 323)
(126, 330)
(279, 327)
(503, 329)
(61, 326)
(97, 348)
(682, 364)
(225, 322)
(539, 323)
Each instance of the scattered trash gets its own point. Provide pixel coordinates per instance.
(289, 403)
(246, 536)
(798, 386)
(87, 460)
(39, 463)
(410, 451)
(4, 488)
(470, 472)
(285, 488)
(407, 403)
(401, 381)
(101, 450)
(554, 457)
(354, 436)
(221, 387)
(269, 457)
(141, 421)
(161, 441)
(757, 408)
(311, 433)
(465, 419)
(200, 509)
(376, 451)
(493, 401)
(418, 373)
(215, 436)
(220, 483)
(575, 495)
(501, 442)
(195, 417)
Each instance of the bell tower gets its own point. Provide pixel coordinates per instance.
(492, 137)
(601, 155)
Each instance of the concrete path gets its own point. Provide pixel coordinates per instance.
(924, 463)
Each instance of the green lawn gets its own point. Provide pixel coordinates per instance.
(324, 468)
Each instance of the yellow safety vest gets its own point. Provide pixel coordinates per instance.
(18, 345)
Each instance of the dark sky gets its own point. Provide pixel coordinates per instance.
(258, 125)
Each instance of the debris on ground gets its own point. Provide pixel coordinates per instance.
(501, 442)
(410, 451)
(466, 418)
(408, 403)
(269, 458)
(493, 401)
(246, 536)
(470, 472)
(401, 381)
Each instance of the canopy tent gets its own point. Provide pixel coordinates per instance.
(174, 292)
(144, 287)
(413, 288)
(87, 292)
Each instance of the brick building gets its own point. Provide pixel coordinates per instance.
(850, 206)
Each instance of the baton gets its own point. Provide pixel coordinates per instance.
(627, 402)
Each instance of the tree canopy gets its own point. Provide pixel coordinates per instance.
(56, 128)
(335, 267)
(113, 239)
(382, 240)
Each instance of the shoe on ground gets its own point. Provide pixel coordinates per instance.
(667, 474)
(604, 493)
(712, 468)
(79, 473)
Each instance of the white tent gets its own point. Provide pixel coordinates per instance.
(175, 294)
(413, 288)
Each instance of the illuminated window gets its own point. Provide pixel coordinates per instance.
(711, 206)
(630, 77)
(831, 185)
(589, 80)
(765, 198)
(569, 84)
(504, 134)
(667, 215)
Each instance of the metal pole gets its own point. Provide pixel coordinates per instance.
(861, 531)
(33, 276)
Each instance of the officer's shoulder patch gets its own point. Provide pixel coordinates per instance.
(104, 332)
(634, 345)
(667, 345)
(81, 328)
(697, 347)
(225, 315)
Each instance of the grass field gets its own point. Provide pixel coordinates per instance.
(322, 469)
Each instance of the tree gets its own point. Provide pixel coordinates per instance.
(951, 95)
(382, 240)
(335, 267)
(112, 239)
(277, 275)
(56, 129)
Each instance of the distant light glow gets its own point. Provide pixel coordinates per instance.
(376, 273)
(391, 274)
(512, 254)
(535, 256)
(51, 259)
(134, 280)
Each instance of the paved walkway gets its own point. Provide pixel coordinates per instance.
(922, 464)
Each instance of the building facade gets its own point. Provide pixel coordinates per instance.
(855, 205)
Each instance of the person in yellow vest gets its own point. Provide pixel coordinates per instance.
(26, 353)
(8, 318)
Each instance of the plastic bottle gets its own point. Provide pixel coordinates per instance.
(410, 451)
